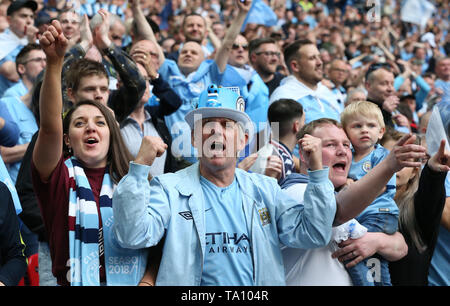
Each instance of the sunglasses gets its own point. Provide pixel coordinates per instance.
(236, 46)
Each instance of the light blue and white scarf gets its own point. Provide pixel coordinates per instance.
(124, 267)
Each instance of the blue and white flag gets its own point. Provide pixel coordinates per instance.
(260, 13)
(417, 12)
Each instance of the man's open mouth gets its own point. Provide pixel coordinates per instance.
(339, 166)
(217, 146)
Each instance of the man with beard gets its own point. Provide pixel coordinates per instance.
(303, 85)
(264, 56)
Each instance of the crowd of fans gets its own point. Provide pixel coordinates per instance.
(297, 66)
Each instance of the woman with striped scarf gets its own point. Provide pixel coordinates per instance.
(76, 165)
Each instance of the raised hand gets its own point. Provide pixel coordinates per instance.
(101, 37)
(244, 5)
(151, 147)
(53, 42)
(144, 58)
(87, 40)
(440, 162)
(401, 120)
(31, 32)
(391, 103)
(406, 154)
(311, 150)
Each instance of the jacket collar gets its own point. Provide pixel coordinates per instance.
(190, 182)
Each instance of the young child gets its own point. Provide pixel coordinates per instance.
(363, 122)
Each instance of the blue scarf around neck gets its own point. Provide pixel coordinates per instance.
(124, 267)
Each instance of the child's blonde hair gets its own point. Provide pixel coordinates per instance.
(361, 109)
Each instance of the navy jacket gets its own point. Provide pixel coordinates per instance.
(13, 263)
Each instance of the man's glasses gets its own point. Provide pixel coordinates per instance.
(36, 60)
(340, 70)
(268, 53)
(237, 46)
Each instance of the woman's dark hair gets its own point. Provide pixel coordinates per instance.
(118, 154)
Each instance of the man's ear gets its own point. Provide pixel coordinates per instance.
(21, 69)
(70, 95)
(367, 85)
(252, 58)
(242, 142)
(296, 126)
(293, 64)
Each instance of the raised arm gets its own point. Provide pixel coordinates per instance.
(124, 100)
(232, 32)
(215, 41)
(351, 201)
(49, 144)
(77, 51)
(439, 163)
(144, 30)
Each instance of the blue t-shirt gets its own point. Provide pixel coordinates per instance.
(17, 90)
(228, 257)
(4, 82)
(26, 122)
(384, 203)
(315, 108)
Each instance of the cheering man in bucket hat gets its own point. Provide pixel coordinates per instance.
(214, 216)
(222, 225)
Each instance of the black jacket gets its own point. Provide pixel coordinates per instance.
(387, 116)
(13, 263)
(31, 214)
(429, 202)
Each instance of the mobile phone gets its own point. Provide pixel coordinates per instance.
(243, 1)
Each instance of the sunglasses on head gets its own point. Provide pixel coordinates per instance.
(236, 46)
(377, 66)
